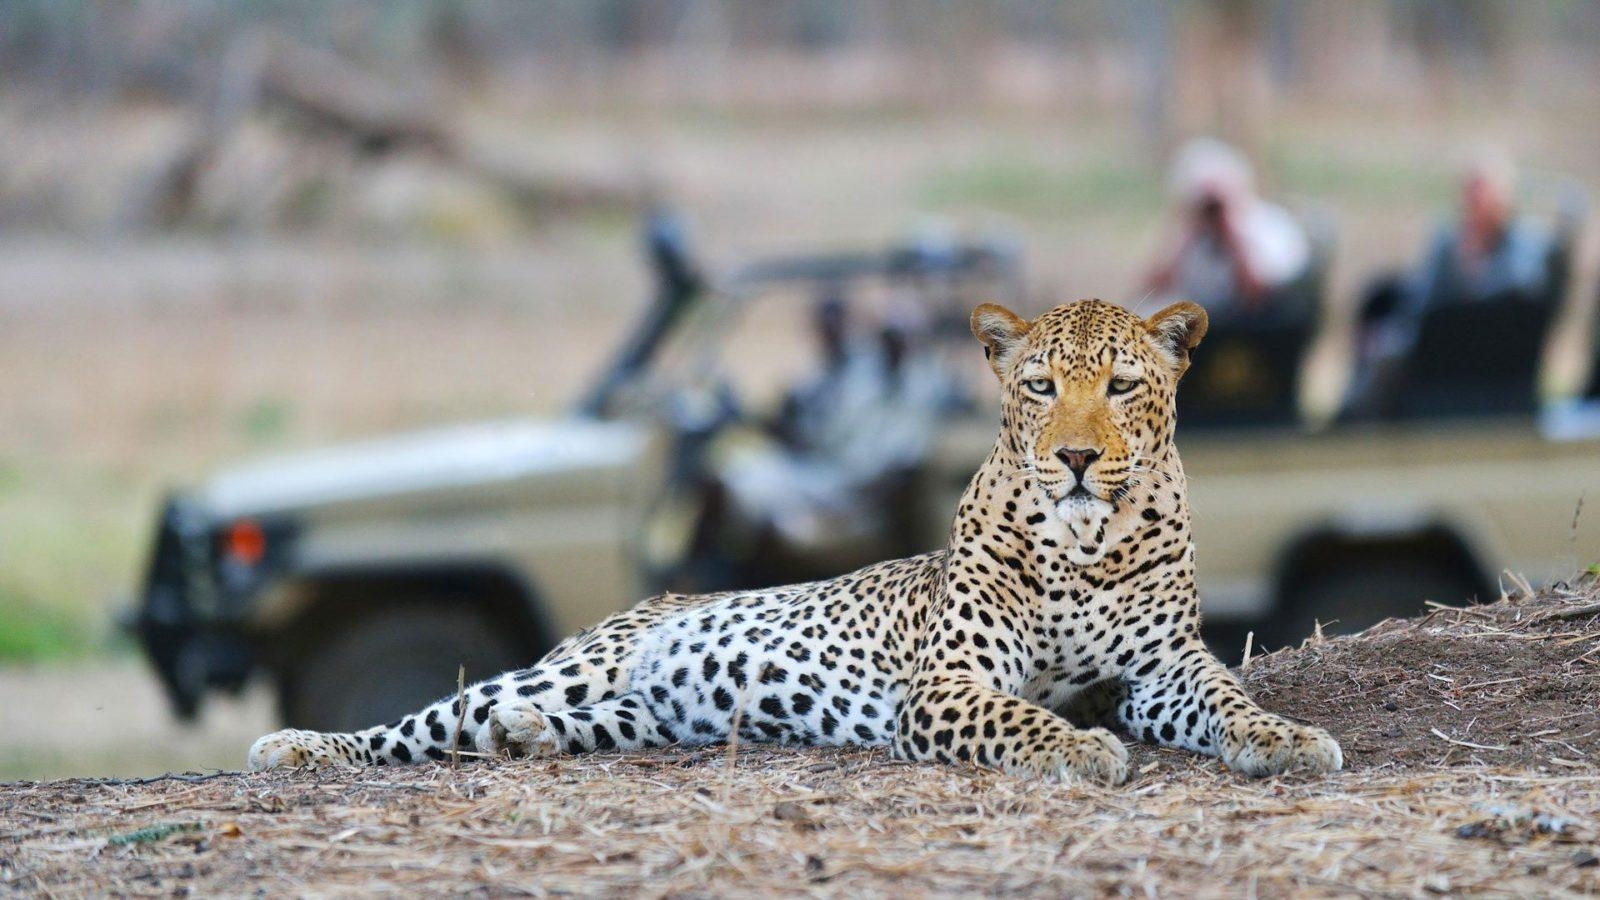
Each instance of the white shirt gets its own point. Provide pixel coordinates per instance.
(1273, 243)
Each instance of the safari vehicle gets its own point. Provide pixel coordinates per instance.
(359, 578)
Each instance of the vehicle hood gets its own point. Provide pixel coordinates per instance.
(456, 457)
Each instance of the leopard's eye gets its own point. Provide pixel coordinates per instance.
(1044, 387)
(1121, 386)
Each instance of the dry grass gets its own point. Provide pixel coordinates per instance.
(1505, 801)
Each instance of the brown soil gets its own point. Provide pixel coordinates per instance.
(1419, 809)
(1520, 677)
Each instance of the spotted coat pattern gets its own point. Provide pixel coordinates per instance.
(1065, 600)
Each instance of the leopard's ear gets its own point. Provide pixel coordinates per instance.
(1001, 332)
(1176, 330)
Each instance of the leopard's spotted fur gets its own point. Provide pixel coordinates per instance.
(1069, 567)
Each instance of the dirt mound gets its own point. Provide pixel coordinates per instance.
(1474, 766)
(1512, 683)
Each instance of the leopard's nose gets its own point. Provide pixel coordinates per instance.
(1077, 460)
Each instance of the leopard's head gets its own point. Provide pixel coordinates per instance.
(1088, 396)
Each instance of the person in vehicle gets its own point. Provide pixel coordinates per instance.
(849, 432)
(1231, 250)
(814, 470)
(809, 404)
(1488, 253)
(1485, 253)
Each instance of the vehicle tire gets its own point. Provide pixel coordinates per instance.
(384, 663)
(1362, 594)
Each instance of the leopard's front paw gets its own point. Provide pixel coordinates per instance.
(292, 748)
(1093, 755)
(1274, 746)
(517, 729)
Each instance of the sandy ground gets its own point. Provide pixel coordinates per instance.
(109, 718)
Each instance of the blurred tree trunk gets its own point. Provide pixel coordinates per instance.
(1155, 39)
(1464, 37)
(1205, 71)
(1233, 70)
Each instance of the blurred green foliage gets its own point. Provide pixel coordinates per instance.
(1312, 172)
(1033, 189)
(266, 421)
(30, 633)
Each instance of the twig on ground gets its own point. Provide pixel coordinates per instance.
(461, 715)
(1448, 739)
(187, 777)
(732, 755)
(1520, 582)
(1575, 612)
(1577, 512)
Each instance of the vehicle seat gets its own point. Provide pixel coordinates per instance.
(1475, 359)
(1246, 373)
(1484, 358)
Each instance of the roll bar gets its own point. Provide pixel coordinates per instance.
(679, 286)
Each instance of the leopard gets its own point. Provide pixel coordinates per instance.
(1062, 612)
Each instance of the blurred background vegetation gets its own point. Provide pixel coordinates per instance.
(238, 226)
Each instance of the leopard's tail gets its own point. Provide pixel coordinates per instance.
(451, 726)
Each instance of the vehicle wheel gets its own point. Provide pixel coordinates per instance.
(385, 663)
(1363, 594)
